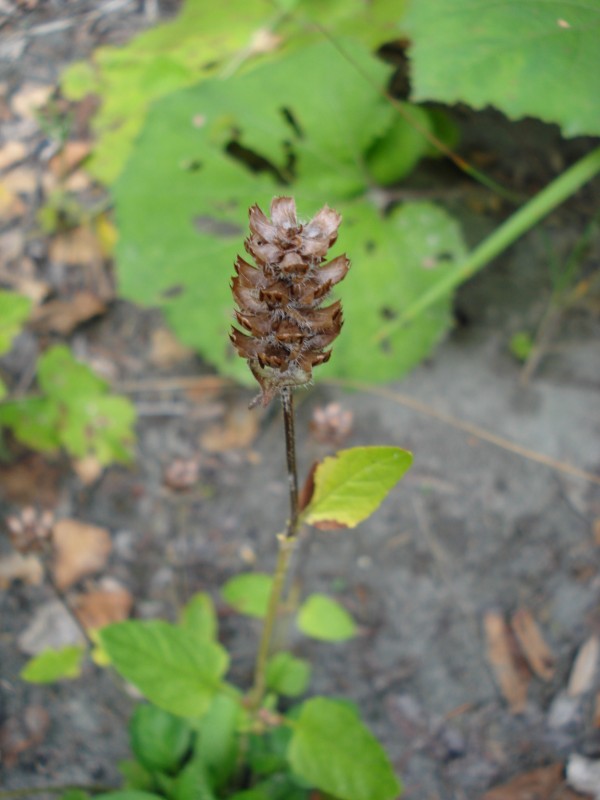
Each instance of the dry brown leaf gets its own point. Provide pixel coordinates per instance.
(63, 316)
(22, 180)
(532, 643)
(511, 676)
(77, 247)
(237, 431)
(78, 181)
(29, 99)
(166, 350)
(11, 153)
(544, 783)
(12, 244)
(11, 204)
(88, 469)
(79, 549)
(583, 672)
(70, 157)
(30, 481)
(109, 603)
(596, 531)
(16, 567)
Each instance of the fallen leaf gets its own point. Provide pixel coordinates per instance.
(166, 350)
(583, 774)
(11, 153)
(17, 567)
(63, 316)
(111, 602)
(596, 531)
(30, 481)
(511, 676)
(584, 669)
(76, 247)
(69, 157)
(79, 549)
(88, 469)
(534, 648)
(29, 99)
(11, 204)
(77, 181)
(23, 180)
(21, 732)
(12, 244)
(238, 430)
(51, 626)
(544, 783)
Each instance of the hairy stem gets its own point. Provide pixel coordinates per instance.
(287, 542)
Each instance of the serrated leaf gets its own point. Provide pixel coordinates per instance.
(335, 752)
(199, 619)
(288, 675)
(217, 744)
(174, 672)
(323, 618)
(527, 58)
(158, 739)
(249, 593)
(350, 486)
(54, 665)
(14, 310)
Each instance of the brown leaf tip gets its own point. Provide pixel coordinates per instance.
(284, 330)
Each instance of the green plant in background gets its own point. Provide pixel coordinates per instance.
(74, 409)
(200, 736)
(14, 310)
(293, 97)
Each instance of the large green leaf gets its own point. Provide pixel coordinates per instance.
(526, 57)
(53, 665)
(333, 750)
(312, 117)
(322, 618)
(351, 485)
(205, 39)
(175, 672)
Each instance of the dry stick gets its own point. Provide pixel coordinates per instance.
(287, 542)
(468, 427)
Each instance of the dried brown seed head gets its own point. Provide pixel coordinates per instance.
(286, 329)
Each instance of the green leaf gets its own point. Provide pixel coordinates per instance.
(53, 665)
(135, 775)
(249, 593)
(351, 485)
(199, 618)
(173, 671)
(75, 794)
(323, 618)
(335, 752)
(217, 744)
(34, 421)
(526, 57)
(394, 155)
(14, 310)
(62, 377)
(128, 794)
(288, 675)
(193, 783)
(3, 389)
(158, 739)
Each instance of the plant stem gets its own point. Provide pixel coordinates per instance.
(559, 190)
(287, 542)
(287, 401)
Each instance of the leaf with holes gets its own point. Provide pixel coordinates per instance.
(526, 57)
(301, 125)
